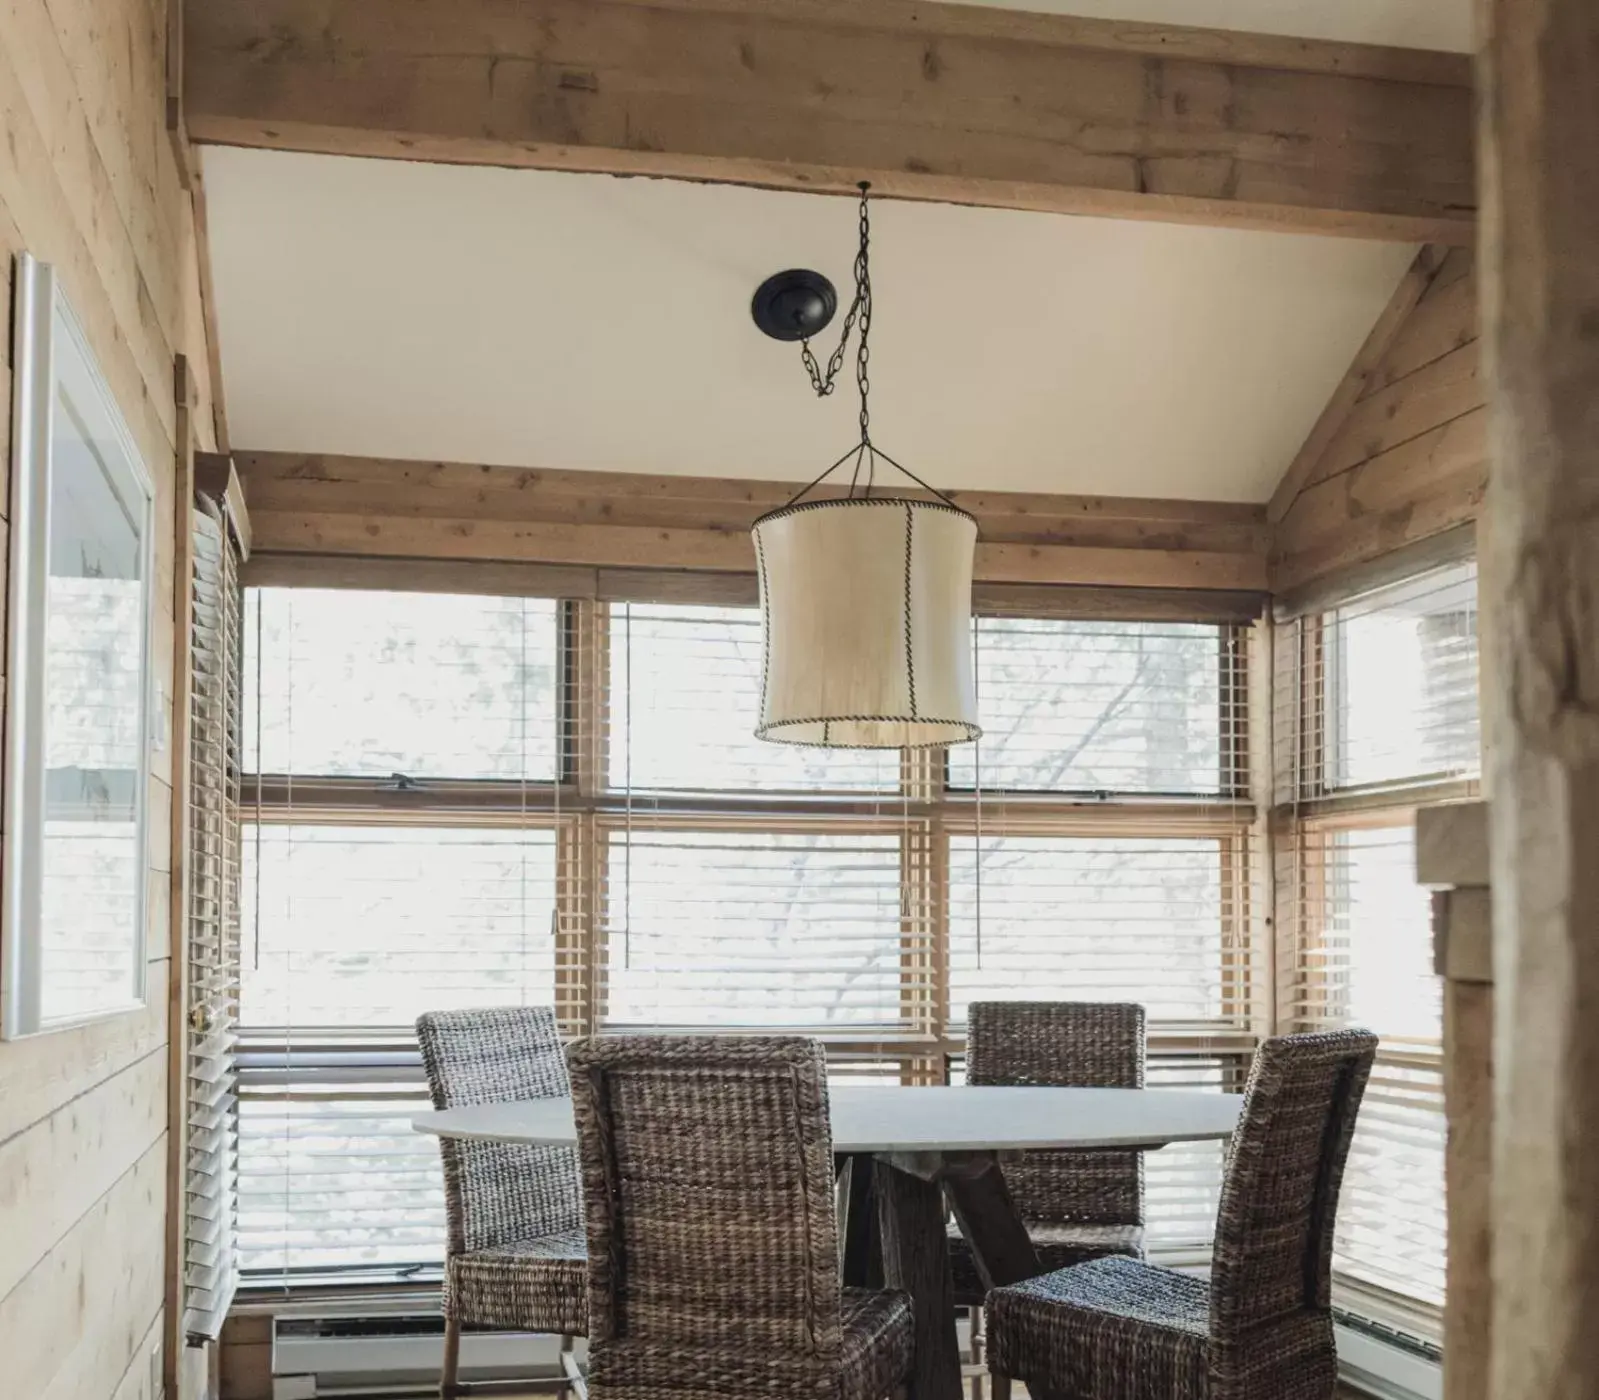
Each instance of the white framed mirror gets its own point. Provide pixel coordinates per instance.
(78, 682)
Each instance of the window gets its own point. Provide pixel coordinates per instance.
(473, 800)
(375, 886)
(1377, 716)
(685, 690)
(737, 929)
(374, 685)
(1112, 707)
(362, 926)
(1368, 966)
(1095, 918)
(1402, 683)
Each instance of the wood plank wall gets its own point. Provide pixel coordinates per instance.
(89, 181)
(1410, 457)
(338, 508)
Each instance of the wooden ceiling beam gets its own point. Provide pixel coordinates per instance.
(935, 102)
(323, 505)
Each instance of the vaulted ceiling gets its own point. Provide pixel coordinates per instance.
(548, 319)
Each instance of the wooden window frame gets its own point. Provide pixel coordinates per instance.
(581, 809)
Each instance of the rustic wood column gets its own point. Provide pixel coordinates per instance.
(1452, 856)
(1539, 157)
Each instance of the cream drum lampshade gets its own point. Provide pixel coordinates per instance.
(867, 610)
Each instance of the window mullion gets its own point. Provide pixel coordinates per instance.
(580, 892)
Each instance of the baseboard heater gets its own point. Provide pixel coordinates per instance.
(329, 1355)
(1380, 1368)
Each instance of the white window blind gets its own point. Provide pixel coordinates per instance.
(1155, 920)
(405, 859)
(356, 927)
(745, 884)
(1365, 953)
(742, 929)
(1381, 690)
(350, 933)
(1389, 1246)
(1182, 1183)
(335, 1181)
(211, 930)
(370, 685)
(1106, 707)
(1376, 707)
(682, 704)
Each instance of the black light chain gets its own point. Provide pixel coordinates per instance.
(860, 310)
(864, 453)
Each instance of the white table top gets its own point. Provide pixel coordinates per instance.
(889, 1118)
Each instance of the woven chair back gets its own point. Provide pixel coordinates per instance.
(497, 1194)
(708, 1171)
(1064, 1044)
(1279, 1199)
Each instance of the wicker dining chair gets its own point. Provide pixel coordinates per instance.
(515, 1258)
(1261, 1327)
(1077, 1205)
(713, 1263)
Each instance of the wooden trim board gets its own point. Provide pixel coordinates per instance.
(365, 508)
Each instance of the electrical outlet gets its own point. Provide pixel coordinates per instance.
(158, 1380)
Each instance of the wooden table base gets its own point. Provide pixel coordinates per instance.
(910, 1197)
(992, 1226)
(910, 1215)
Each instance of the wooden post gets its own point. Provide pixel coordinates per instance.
(1539, 156)
(1452, 856)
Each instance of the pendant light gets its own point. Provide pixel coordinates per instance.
(866, 598)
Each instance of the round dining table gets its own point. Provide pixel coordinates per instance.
(904, 1151)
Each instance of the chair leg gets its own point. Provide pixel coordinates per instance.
(974, 1323)
(449, 1378)
(1001, 1385)
(575, 1387)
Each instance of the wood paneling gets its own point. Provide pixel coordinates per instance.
(1366, 367)
(69, 1329)
(341, 507)
(1400, 411)
(247, 1358)
(41, 1074)
(1401, 457)
(88, 183)
(141, 1381)
(80, 1150)
(968, 105)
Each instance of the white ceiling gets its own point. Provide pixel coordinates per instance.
(528, 318)
(1414, 24)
